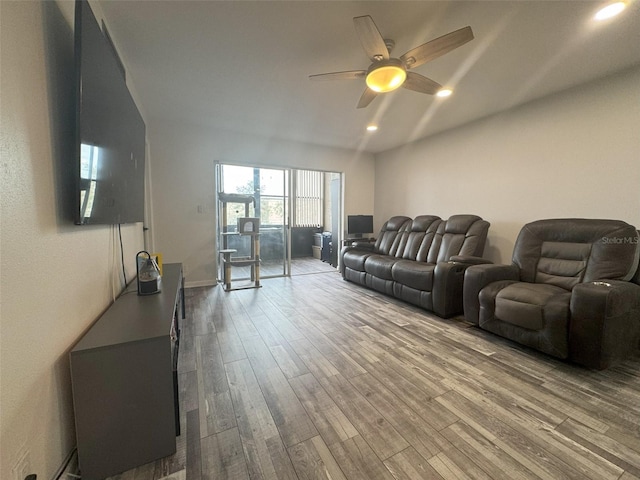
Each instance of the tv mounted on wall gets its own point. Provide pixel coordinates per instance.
(110, 132)
(358, 225)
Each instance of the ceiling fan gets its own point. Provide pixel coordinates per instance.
(386, 73)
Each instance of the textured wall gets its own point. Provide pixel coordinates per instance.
(574, 154)
(56, 278)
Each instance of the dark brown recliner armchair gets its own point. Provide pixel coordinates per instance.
(570, 291)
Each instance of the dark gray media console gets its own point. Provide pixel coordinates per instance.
(125, 383)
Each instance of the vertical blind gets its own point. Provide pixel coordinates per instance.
(308, 198)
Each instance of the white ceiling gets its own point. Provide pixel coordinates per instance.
(244, 66)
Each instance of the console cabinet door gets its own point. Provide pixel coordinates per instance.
(124, 406)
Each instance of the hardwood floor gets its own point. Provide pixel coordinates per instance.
(273, 268)
(307, 265)
(312, 377)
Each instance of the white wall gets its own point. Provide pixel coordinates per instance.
(56, 278)
(574, 154)
(183, 178)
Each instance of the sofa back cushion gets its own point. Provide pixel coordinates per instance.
(459, 235)
(419, 237)
(565, 252)
(390, 238)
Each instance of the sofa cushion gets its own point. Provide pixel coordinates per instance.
(460, 223)
(413, 274)
(459, 235)
(420, 238)
(531, 305)
(562, 263)
(536, 315)
(390, 236)
(380, 266)
(575, 250)
(354, 259)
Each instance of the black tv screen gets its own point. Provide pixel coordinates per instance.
(359, 224)
(110, 132)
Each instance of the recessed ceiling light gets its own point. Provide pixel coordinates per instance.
(610, 10)
(372, 128)
(445, 92)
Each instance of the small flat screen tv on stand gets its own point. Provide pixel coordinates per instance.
(359, 225)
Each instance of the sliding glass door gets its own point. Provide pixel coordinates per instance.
(246, 191)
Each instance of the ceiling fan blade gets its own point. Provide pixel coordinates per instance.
(436, 48)
(370, 37)
(366, 98)
(419, 83)
(350, 75)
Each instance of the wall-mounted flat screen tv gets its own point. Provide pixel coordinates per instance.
(110, 132)
(358, 225)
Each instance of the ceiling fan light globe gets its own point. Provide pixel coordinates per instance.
(610, 11)
(386, 77)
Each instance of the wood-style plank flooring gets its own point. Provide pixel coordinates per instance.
(273, 268)
(311, 377)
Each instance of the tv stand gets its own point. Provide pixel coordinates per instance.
(124, 379)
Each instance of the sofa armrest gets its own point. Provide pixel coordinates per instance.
(476, 277)
(469, 260)
(448, 279)
(605, 322)
(341, 265)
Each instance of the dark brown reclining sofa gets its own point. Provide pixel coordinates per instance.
(421, 261)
